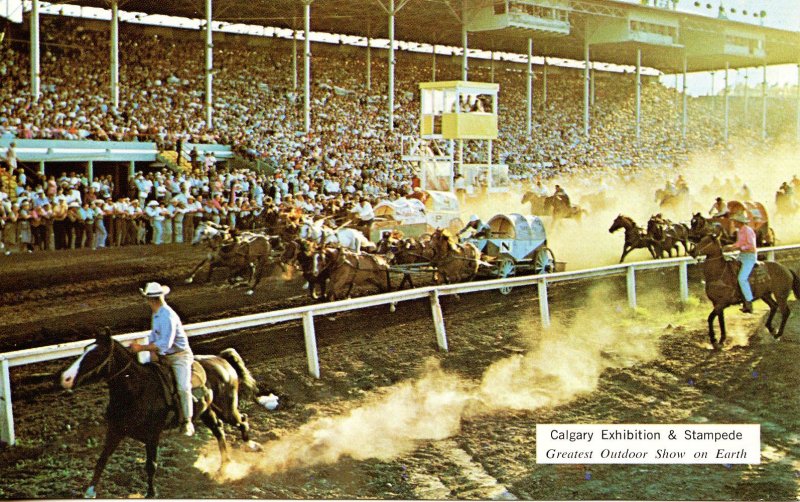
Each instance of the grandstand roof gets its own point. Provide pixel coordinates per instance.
(439, 22)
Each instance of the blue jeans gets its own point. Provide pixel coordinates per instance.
(748, 261)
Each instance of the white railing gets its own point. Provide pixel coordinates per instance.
(308, 312)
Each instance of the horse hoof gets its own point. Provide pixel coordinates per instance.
(249, 292)
(150, 495)
(189, 280)
(253, 446)
(90, 493)
(392, 307)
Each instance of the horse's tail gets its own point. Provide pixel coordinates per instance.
(249, 386)
(795, 284)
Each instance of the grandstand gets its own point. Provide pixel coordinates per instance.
(115, 98)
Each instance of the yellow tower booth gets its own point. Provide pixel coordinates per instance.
(456, 111)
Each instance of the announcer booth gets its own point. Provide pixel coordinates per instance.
(456, 111)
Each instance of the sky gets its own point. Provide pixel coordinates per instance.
(783, 14)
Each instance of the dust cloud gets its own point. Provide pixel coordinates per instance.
(563, 362)
(587, 243)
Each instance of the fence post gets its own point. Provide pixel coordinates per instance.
(683, 272)
(631, 287)
(311, 343)
(544, 307)
(6, 414)
(438, 320)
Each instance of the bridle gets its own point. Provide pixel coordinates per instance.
(109, 361)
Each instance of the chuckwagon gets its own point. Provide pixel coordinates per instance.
(416, 215)
(757, 215)
(517, 244)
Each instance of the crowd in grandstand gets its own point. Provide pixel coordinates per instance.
(258, 111)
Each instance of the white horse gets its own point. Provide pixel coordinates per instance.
(348, 238)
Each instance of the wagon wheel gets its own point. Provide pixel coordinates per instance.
(544, 261)
(506, 268)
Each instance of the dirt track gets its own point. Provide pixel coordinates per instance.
(392, 417)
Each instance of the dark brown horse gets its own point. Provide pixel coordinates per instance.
(300, 253)
(559, 207)
(770, 281)
(635, 236)
(242, 252)
(143, 402)
(666, 235)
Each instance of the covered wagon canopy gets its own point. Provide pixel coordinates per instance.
(404, 211)
(518, 227)
(441, 202)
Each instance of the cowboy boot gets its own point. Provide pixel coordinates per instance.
(747, 307)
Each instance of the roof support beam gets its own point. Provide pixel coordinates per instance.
(586, 86)
(797, 104)
(294, 59)
(764, 104)
(465, 55)
(544, 84)
(36, 78)
(391, 65)
(209, 50)
(685, 111)
(726, 98)
(746, 94)
(433, 64)
(392, 11)
(369, 63)
(114, 54)
(307, 66)
(638, 95)
(529, 82)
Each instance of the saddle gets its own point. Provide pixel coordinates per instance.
(758, 276)
(200, 392)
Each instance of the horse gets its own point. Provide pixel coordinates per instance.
(346, 237)
(454, 261)
(671, 198)
(784, 203)
(301, 252)
(238, 251)
(770, 281)
(535, 200)
(405, 251)
(346, 268)
(699, 227)
(558, 206)
(666, 235)
(143, 401)
(635, 236)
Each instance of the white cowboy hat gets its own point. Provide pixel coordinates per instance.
(740, 218)
(154, 290)
(152, 203)
(474, 217)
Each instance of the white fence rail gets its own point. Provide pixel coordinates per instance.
(308, 312)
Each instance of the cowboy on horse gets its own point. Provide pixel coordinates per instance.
(746, 244)
(168, 339)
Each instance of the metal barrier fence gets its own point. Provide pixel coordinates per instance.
(308, 312)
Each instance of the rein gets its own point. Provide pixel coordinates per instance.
(109, 361)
